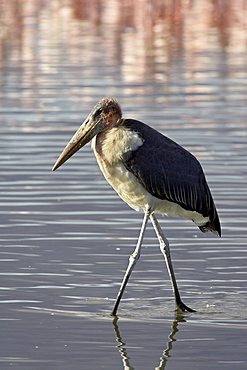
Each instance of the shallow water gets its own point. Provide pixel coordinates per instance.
(66, 236)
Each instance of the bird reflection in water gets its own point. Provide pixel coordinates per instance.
(166, 353)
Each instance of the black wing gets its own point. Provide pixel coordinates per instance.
(168, 171)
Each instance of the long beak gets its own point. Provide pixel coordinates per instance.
(83, 135)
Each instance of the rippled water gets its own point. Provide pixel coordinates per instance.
(66, 236)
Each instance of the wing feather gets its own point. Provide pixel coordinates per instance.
(168, 171)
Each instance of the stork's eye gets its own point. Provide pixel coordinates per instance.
(98, 112)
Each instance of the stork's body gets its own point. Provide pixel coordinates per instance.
(150, 172)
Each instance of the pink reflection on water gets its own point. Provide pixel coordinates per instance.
(175, 25)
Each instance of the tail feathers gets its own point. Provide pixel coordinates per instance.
(214, 227)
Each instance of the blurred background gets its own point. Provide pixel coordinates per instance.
(152, 50)
(65, 237)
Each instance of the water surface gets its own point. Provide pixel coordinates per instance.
(66, 236)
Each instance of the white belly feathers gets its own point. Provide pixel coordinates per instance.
(109, 147)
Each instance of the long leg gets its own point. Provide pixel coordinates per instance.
(164, 247)
(133, 258)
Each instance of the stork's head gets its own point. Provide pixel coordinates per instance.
(105, 114)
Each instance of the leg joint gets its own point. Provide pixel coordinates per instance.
(134, 257)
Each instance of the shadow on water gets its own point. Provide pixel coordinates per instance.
(122, 347)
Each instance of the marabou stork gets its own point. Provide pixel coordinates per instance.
(150, 172)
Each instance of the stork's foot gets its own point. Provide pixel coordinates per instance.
(181, 307)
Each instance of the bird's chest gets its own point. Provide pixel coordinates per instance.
(109, 149)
